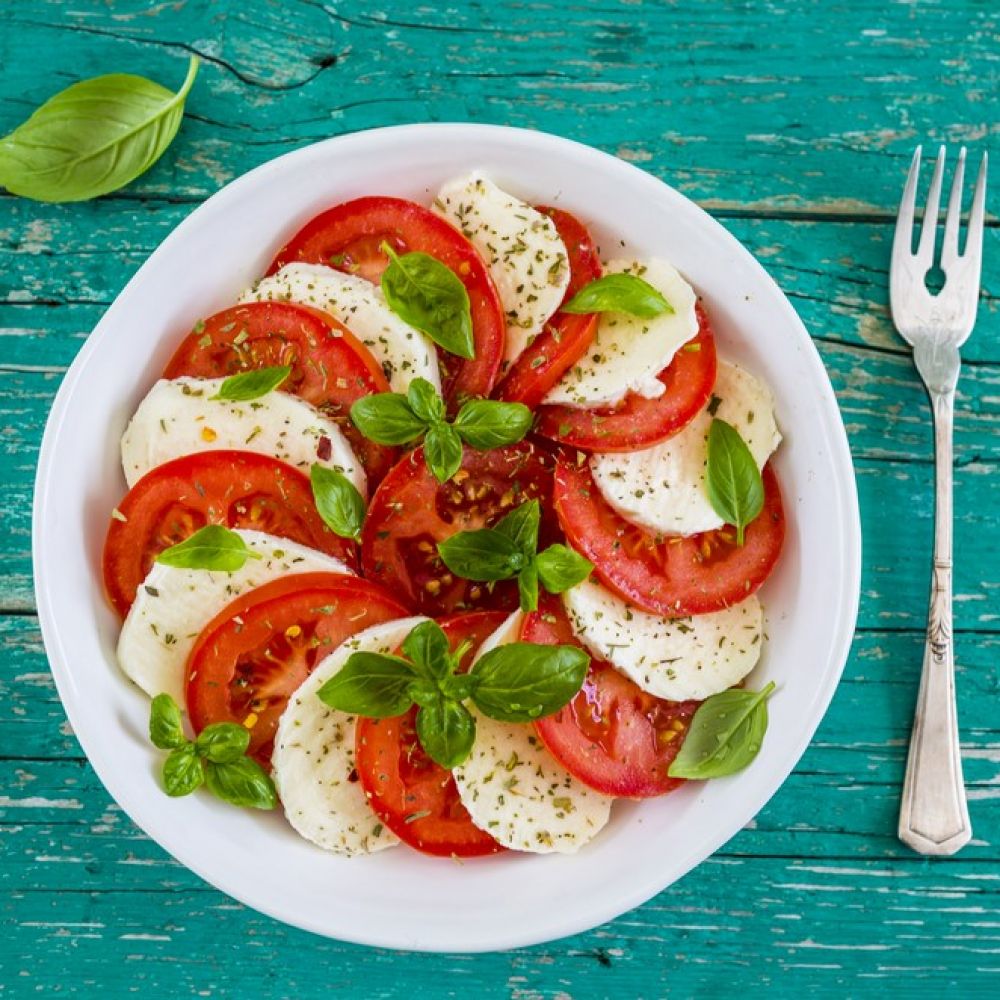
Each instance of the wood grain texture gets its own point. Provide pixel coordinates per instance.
(793, 124)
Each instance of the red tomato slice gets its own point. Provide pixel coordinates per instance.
(349, 236)
(238, 489)
(566, 337)
(331, 368)
(415, 797)
(411, 512)
(637, 422)
(672, 575)
(253, 655)
(612, 736)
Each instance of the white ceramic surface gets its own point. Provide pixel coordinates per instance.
(399, 898)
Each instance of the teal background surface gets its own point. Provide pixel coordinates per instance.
(792, 123)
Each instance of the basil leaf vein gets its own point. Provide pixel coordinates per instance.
(732, 480)
(93, 137)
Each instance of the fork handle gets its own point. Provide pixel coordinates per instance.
(934, 816)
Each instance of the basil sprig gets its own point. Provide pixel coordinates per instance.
(253, 384)
(338, 501)
(216, 758)
(212, 547)
(625, 293)
(518, 682)
(726, 734)
(93, 137)
(510, 549)
(733, 481)
(393, 418)
(429, 296)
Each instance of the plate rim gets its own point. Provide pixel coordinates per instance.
(604, 910)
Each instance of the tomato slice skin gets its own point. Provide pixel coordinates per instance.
(349, 237)
(612, 736)
(670, 575)
(237, 489)
(637, 422)
(255, 653)
(566, 336)
(415, 797)
(331, 368)
(411, 512)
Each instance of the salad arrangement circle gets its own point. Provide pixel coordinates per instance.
(448, 533)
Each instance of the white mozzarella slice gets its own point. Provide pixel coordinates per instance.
(313, 758)
(663, 488)
(516, 791)
(179, 417)
(522, 248)
(629, 352)
(173, 605)
(403, 352)
(672, 658)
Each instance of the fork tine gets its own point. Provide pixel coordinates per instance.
(903, 239)
(974, 237)
(949, 248)
(928, 229)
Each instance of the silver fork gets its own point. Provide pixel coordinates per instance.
(934, 816)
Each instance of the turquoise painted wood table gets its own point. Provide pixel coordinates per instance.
(793, 124)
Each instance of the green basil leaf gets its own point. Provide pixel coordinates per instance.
(253, 384)
(524, 681)
(370, 684)
(425, 401)
(183, 771)
(726, 734)
(423, 692)
(560, 568)
(386, 418)
(166, 730)
(338, 501)
(527, 587)
(93, 137)
(732, 480)
(521, 526)
(242, 782)
(443, 451)
(486, 423)
(212, 547)
(222, 742)
(421, 291)
(625, 293)
(446, 730)
(458, 686)
(428, 647)
(485, 555)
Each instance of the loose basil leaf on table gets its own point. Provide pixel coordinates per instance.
(338, 501)
(242, 782)
(430, 297)
(733, 481)
(210, 548)
(253, 384)
(725, 735)
(93, 137)
(626, 293)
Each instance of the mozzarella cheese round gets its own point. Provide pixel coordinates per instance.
(313, 757)
(516, 791)
(179, 417)
(522, 248)
(173, 605)
(672, 658)
(628, 352)
(403, 352)
(663, 488)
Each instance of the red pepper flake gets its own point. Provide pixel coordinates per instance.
(324, 449)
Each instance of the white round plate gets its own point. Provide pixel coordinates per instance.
(400, 898)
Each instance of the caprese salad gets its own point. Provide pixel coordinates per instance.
(448, 532)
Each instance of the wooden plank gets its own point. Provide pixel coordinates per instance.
(817, 116)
